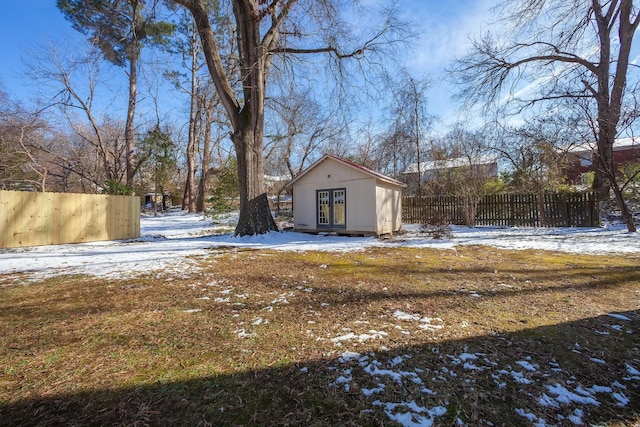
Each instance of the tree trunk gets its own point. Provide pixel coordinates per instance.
(606, 180)
(129, 135)
(627, 218)
(247, 118)
(605, 177)
(206, 157)
(189, 197)
(606, 136)
(610, 102)
(255, 215)
(202, 188)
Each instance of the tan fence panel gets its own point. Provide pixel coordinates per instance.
(33, 219)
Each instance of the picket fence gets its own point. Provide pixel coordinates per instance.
(507, 210)
(33, 219)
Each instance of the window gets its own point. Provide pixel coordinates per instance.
(586, 161)
(339, 204)
(323, 208)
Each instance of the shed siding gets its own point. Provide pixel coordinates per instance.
(361, 192)
(389, 208)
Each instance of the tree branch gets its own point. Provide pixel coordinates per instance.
(214, 61)
(368, 45)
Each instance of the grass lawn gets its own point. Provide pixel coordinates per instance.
(475, 336)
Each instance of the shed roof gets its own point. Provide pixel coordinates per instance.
(350, 164)
(452, 163)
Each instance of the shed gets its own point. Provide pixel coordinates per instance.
(337, 195)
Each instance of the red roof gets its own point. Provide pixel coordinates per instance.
(368, 171)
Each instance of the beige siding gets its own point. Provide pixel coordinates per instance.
(32, 219)
(331, 174)
(389, 208)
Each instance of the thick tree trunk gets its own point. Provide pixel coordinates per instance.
(611, 88)
(601, 182)
(255, 215)
(627, 218)
(606, 180)
(605, 177)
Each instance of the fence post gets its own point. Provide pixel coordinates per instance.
(512, 209)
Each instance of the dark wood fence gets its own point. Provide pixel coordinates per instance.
(509, 210)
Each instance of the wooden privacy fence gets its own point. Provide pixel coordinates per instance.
(509, 210)
(32, 219)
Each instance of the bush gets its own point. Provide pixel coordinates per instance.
(113, 187)
(437, 226)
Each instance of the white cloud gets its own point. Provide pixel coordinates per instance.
(445, 31)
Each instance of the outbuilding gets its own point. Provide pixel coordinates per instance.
(337, 195)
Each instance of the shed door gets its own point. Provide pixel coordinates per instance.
(331, 208)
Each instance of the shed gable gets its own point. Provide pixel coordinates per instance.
(331, 172)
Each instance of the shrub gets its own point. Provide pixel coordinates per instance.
(437, 226)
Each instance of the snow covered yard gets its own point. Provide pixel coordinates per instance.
(186, 326)
(168, 242)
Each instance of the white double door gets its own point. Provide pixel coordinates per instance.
(331, 207)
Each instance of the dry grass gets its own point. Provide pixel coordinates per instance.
(85, 351)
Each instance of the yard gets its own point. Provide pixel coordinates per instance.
(241, 332)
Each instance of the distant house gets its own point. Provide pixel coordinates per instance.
(483, 166)
(583, 159)
(337, 195)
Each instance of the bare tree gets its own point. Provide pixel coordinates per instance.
(11, 160)
(409, 121)
(300, 126)
(187, 45)
(265, 30)
(213, 155)
(71, 83)
(20, 132)
(560, 49)
(534, 152)
(119, 29)
(203, 99)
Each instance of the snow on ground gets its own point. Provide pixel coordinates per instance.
(167, 242)
(373, 376)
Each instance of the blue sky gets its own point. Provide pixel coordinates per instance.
(444, 25)
(445, 31)
(23, 25)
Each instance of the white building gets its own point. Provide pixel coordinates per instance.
(337, 195)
